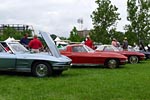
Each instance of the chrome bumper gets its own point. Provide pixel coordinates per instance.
(61, 66)
(123, 61)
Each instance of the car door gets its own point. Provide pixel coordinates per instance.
(7, 60)
(23, 61)
(80, 55)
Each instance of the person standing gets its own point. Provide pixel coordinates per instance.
(125, 44)
(114, 42)
(89, 42)
(35, 44)
(24, 41)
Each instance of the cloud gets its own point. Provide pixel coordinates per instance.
(54, 16)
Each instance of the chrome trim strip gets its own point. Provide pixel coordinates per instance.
(75, 64)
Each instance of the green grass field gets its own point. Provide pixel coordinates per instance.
(130, 82)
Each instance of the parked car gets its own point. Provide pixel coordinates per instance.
(144, 51)
(133, 56)
(82, 55)
(18, 58)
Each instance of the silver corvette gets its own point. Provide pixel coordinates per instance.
(42, 64)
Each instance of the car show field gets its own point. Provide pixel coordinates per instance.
(94, 75)
(129, 82)
(75, 50)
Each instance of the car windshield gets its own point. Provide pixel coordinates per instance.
(78, 49)
(110, 48)
(82, 48)
(88, 49)
(17, 47)
(116, 49)
(2, 49)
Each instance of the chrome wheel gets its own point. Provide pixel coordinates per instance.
(112, 63)
(133, 59)
(41, 69)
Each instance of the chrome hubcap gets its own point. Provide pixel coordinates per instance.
(41, 70)
(112, 63)
(133, 60)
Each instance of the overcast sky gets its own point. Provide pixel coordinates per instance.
(54, 16)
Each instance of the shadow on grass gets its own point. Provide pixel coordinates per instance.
(96, 67)
(64, 73)
(74, 70)
(28, 74)
(11, 73)
(82, 67)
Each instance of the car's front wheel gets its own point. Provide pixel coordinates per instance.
(41, 69)
(112, 63)
(133, 59)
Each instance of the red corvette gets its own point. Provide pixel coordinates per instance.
(133, 56)
(82, 55)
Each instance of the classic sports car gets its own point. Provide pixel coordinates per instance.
(18, 58)
(147, 54)
(144, 51)
(82, 55)
(133, 56)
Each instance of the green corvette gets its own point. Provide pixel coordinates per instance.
(42, 64)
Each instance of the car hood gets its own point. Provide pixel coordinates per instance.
(50, 43)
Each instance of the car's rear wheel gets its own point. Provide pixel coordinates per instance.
(41, 69)
(133, 59)
(112, 63)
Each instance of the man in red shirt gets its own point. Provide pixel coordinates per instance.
(89, 42)
(35, 44)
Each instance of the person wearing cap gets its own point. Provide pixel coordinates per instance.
(35, 44)
(89, 42)
(125, 44)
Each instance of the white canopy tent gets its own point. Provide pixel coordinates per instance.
(10, 39)
(59, 41)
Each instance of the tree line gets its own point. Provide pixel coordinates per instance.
(104, 19)
(106, 16)
(11, 32)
